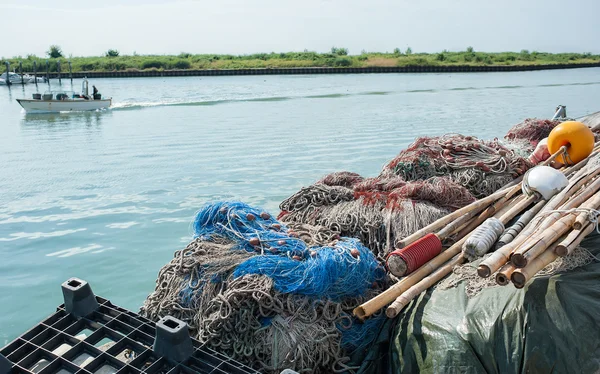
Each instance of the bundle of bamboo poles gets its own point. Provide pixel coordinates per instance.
(549, 229)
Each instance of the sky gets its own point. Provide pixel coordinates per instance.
(90, 28)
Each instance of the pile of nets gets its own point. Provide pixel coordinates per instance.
(480, 166)
(270, 295)
(377, 211)
(531, 131)
(431, 178)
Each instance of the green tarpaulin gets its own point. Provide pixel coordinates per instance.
(551, 325)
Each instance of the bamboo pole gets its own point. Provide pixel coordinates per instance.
(540, 224)
(575, 184)
(490, 211)
(521, 257)
(517, 208)
(511, 233)
(503, 275)
(521, 276)
(592, 203)
(476, 207)
(497, 259)
(566, 246)
(455, 225)
(389, 295)
(502, 194)
(501, 256)
(378, 302)
(406, 297)
(509, 205)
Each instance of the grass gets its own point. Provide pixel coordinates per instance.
(298, 59)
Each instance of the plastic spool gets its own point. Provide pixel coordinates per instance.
(483, 238)
(576, 136)
(404, 261)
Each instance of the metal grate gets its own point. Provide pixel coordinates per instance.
(110, 340)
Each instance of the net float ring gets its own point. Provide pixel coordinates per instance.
(577, 137)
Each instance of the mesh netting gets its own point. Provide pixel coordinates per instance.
(466, 160)
(475, 284)
(270, 304)
(341, 178)
(531, 130)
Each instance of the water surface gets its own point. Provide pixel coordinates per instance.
(108, 196)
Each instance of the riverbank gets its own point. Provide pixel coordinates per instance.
(289, 71)
(308, 62)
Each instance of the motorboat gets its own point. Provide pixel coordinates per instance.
(15, 78)
(65, 101)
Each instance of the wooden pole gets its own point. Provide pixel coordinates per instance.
(370, 307)
(58, 70)
(8, 83)
(593, 203)
(518, 208)
(490, 211)
(476, 206)
(566, 246)
(403, 300)
(21, 72)
(497, 259)
(520, 277)
(35, 72)
(534, 228)
(509, 205)
(70, 72)
(48, 71)
(503, 275)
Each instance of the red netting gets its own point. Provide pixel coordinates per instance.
(341, 178)
(439, 191)
(379, 184)
(480, 166)
(532, 130)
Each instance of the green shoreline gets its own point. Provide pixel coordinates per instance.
(336, 59)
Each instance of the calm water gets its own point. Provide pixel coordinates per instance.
(109, 196)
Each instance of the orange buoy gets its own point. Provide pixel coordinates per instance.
(578, 138)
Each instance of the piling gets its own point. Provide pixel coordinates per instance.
(7, 72)
(70, 72)
(21, 72)
(35, 72)
(58, 70)
(48, 71)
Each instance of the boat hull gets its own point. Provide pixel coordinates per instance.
(54, 106)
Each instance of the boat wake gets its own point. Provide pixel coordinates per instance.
(132, 105)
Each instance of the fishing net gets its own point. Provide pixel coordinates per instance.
(375, 223)
(474, 284)
(273, 296)
(480, 166)
(341, 178)
(531, 130)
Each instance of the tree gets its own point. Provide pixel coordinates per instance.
(470, 49)
(54, 51)
(397, 51)
(112, 53)
(339, 51)
(409, 51)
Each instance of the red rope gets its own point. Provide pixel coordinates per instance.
(418, 253)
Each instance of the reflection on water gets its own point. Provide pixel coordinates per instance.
(93, 118)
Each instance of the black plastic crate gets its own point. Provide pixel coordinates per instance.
(90, 335)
